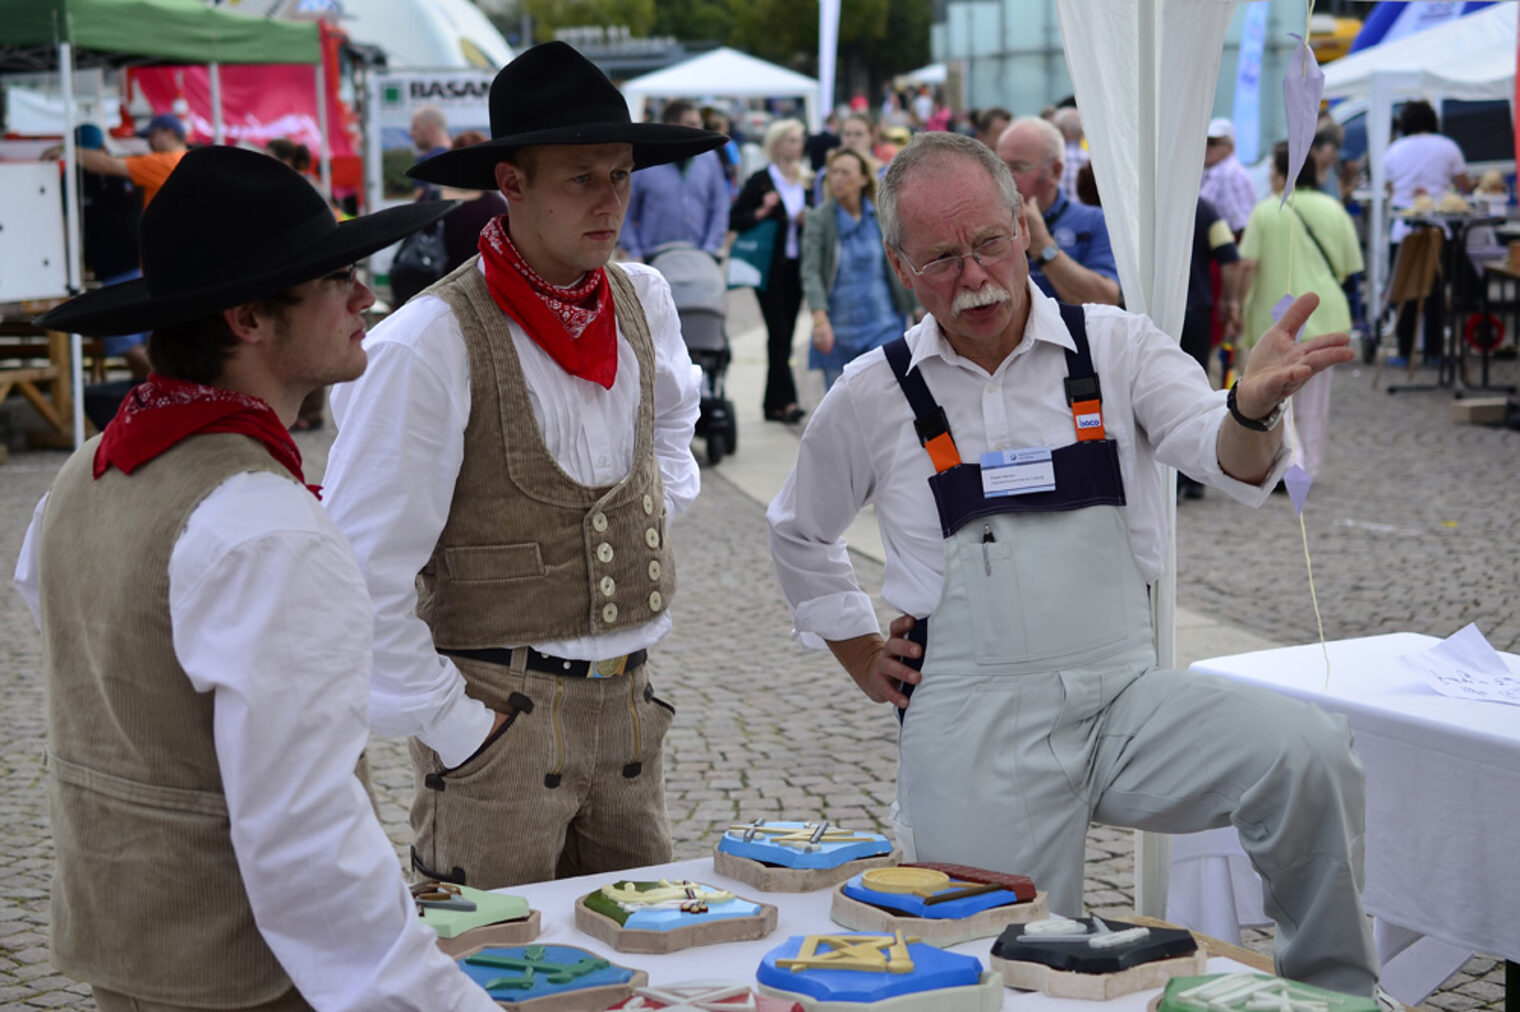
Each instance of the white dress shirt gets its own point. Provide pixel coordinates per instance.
(271, 617)
(391, 473)
(860, 447)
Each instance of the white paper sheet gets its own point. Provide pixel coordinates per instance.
(1464, 665)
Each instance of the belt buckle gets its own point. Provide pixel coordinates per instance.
(610, 668)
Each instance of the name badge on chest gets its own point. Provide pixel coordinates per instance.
(1017, 472)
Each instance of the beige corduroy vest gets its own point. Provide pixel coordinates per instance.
(529, 554)
(147, 898)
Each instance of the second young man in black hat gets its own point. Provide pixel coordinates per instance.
(207, 690)
(506, 472)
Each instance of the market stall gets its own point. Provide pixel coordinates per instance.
(726, 73)
(62, 35)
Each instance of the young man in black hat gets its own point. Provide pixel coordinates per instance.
(506, 472)
(207, 691)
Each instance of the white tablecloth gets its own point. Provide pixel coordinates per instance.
(1443, 791)
(798, 914)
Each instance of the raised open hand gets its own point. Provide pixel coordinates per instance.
(1279, 365)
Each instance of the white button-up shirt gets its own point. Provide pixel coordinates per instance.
(861, 447)
(390, 481)
(272, 620)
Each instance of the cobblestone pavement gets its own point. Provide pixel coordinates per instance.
(1410, 528)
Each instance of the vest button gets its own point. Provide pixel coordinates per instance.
(649, 505)
(599, 522)
(608, 586)
(656, 602)
(604, 552)
(652, 538)
(654, 569)
(609, 613)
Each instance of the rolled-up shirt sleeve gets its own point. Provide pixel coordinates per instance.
(830, 483)
(390, 481)
(1180, 414)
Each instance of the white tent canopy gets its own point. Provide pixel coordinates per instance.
(1468, 57)
(1471, 57)
(932, 73)
(723, 72)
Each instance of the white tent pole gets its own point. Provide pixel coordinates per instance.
(218, 128)
(325, 154)
(1379, 109)
(71, 213)
(1153, 851)
(374, 186)
(828, 58)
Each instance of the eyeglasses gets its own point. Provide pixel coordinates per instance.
(991, 251)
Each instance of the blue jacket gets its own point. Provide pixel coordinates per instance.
(666, 205)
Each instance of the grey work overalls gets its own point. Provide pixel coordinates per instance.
(1041, 707)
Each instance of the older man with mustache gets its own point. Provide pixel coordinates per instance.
(1008, 443)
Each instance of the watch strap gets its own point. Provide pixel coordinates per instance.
(1266, 424)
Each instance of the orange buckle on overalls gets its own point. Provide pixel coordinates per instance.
(1088, 418)
(943, 453)
(1086, 400)
(934, 434)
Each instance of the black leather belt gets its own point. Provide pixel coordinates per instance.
(609, 668)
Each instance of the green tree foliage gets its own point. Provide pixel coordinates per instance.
(638, 15)
(693, 20)
(877, 38)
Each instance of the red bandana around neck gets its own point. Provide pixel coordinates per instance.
(161, 412)
(575, 325)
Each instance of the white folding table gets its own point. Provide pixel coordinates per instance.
(1443, 791)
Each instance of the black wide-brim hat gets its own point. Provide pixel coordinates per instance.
(551, 94)
(230, 226)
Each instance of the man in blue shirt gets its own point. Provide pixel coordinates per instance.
(1069, 254)
(684, 201)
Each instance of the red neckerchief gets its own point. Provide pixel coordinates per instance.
(575, 325)
(162, 412)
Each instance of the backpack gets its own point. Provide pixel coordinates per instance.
(419, 262)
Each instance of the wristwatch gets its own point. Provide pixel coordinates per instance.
(1049, 253)
(1266, 424)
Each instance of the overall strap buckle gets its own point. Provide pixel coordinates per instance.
(1083, 391)
(929, 419)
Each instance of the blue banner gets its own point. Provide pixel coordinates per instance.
(1247, 111)
(1389, 21)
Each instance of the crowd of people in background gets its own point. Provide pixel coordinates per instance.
(818, 189)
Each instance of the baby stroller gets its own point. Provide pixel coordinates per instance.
(701, 297)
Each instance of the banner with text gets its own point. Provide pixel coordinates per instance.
(463, 96)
